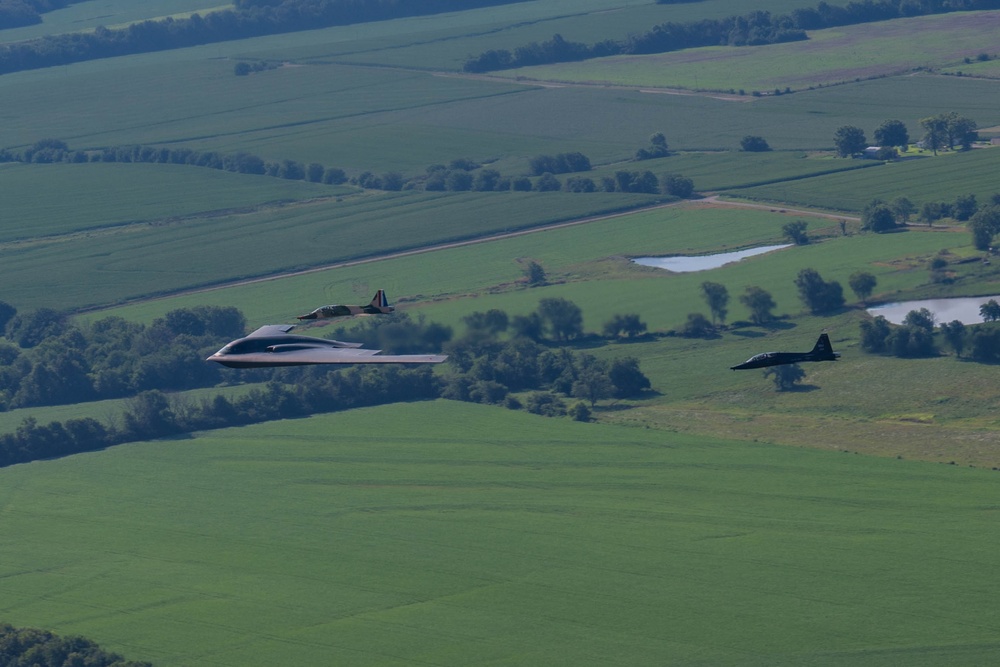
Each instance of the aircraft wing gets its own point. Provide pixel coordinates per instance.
(272, 330)
(329, 355)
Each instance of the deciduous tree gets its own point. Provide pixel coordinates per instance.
(817, 294)
(849, 140)
(862, 284)
(892, 133)
(760, 303)
(717, 297)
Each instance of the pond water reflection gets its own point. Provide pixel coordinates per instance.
(688, 263)
(963, 309)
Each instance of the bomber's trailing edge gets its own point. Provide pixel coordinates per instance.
(822, 351)
(379, 305)
(272, 345)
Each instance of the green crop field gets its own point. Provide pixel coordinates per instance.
(929, 179)
(100, 195)
(457, 36)
(567, 254)
(86, 16)
(831, 56)
(143, 260)
(457, 534)
(713, 521)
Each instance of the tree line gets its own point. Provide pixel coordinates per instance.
(460, 175)
(49, 151)
(31, 647)
(942, 131)
(247, 18)
(914, 338)
(752, 29)
(18, 13)
(497, 357)
(46, 360)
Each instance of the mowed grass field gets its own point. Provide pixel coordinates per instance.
(456, 534)
(828, 57)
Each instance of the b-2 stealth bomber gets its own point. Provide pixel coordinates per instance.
(272, 345)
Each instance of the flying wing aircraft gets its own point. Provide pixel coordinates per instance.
(379, 305)
(822, 351)
(272, 345)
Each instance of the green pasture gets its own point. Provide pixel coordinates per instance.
(40, 200)
(459, 279)
(146, 260)
(927, 179)
(108, 411)
(713, 171)
(831, 56)
(83, 16)
(456, 534)
(384, 120)
(989, 69)
(663, 302)
(589, 265)
(445, 42)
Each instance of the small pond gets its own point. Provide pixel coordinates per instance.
(963, 309)
(688, 263)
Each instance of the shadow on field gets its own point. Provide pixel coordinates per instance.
(800, 389)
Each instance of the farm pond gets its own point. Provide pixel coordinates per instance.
(963, 309)
(689, 263)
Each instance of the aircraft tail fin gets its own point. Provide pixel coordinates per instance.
(823, 350)
(380, 302)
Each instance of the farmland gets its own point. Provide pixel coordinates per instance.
(922, 180)
(712, 520)
(462, 533)
(831, 56)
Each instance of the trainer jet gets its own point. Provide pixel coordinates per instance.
(272, 345)
(379, 305)
(822, 351)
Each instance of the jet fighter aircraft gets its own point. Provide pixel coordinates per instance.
(822, 351)
(379, 305)
(272, 345)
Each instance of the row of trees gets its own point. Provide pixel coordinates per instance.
(942, 131)
(818, 295)
(914, 338)
(488, 369)
(47, 151)
(754, 28)
(17, 13)
(247, 18)
(460, 175)
(46, 360)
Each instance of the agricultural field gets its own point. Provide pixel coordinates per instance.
(459, 534)
(711, 521)
(108, 13)
(831, 56)
(143, 260)
(104, 195)
(458, 36)
(927, 179)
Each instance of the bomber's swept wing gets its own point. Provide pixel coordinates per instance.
(272, 345)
